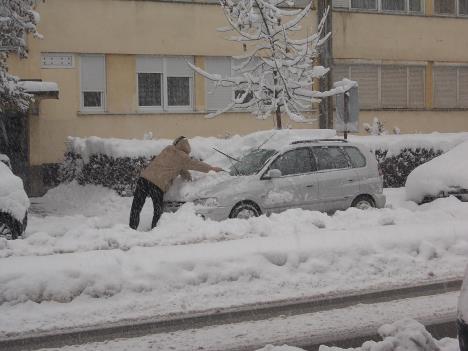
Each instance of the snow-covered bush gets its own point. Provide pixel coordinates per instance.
(396, 168)
(116, 163)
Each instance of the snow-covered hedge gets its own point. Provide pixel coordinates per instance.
(116, 163)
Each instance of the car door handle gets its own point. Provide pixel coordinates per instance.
(350, 180)
(310, 186)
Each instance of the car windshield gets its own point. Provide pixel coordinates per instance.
(252, 162)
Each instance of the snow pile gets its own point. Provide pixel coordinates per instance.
(13, 198)
(298, 255)
(236, 146)
(394, 144)
(403, 335)
(442, 174)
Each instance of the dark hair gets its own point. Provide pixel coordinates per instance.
(176, 141)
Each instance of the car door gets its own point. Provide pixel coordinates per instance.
(338, 181)
(297, 185)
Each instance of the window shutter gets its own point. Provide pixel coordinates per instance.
(149, 64)
(394, 86)
(368, 81)
(339, 72)
(463, 87)
(444, 7)
(217, 97)
(176, 66)
(341, 4)
(445, 87)
(93, 73)
(416, 87)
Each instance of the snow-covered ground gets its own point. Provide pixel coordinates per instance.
(80, 264)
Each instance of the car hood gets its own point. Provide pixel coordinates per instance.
(207, 185)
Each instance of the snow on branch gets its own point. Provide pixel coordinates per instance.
(17, 19)
(276, 73)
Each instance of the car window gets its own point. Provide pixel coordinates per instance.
(357, 158)
(330, 157)
(294, 162)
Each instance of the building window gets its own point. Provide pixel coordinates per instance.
(386, 86)
(364, 4)
(450, 87)
(400, 6)
(93, 82)
(451, 7)
(164, 83)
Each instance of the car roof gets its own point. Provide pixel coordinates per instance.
(316, 142)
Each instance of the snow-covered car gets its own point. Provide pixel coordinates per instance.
(442, 176)
(324, 175)
(14, 204)
(462, 320)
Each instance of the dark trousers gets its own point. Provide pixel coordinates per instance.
(145, 188)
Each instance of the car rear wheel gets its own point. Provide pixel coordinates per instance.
(10, 228)
(245, 210)
(363, 202)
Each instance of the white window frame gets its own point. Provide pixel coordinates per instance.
(164, 93)
(456, 14)
(379, 83)
(458, 67)
(103, 92)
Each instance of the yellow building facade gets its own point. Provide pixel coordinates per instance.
(108, 57)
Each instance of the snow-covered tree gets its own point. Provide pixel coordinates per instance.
(277, 71)
(17, 20)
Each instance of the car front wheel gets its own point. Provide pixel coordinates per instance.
(10, 228)
(363, 202)
(245, 210)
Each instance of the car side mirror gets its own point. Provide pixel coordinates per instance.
(273, 173)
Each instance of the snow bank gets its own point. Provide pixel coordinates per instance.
(396, 143)
(202, 147)
(13, 198)
(441, 174)
(299, 257)
(237, 145)
(402, 335)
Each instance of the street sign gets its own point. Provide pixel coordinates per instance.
(347, 111)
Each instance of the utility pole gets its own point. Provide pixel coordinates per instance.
(326, 60)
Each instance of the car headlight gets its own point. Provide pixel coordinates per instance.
(207, 202)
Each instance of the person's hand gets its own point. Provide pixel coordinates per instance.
(217, 169)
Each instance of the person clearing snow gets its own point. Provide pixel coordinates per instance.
(157, 178)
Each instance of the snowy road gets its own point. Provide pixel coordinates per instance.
(263, 314)
(80, 265)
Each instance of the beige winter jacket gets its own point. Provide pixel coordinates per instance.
(172, 161)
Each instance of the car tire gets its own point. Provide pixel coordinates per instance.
(10, 228)
(245, 210)
(363, 202)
